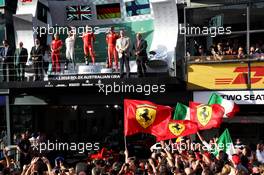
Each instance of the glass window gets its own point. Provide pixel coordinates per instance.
(42, 13)
(21, 119)
(233, 16)
(216, 48)
(2, 32)
(257, 45)
(256, 16)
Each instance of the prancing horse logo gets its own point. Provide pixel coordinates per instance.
(176, 128)
(204, 114)
(145, 115)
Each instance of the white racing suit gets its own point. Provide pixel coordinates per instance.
(70, 54)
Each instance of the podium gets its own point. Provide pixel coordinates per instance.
(106, 70)
(71, 69)
(89, 69)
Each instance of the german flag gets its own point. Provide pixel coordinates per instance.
(108, 11)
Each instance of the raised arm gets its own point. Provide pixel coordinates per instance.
(259, 155)
(126, 156)
(5, 152)
(164, 147)
(152, 166)
(46, 161)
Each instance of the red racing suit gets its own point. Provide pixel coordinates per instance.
(88, 39)
(55, 55)
(111, 51)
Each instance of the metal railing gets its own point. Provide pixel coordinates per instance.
(223, 58)
(11, 69)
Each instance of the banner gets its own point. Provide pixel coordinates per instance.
(239, 97)
(225, 76)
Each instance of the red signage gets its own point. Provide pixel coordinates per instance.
(257, 75)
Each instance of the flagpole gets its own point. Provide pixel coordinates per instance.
(125, 141)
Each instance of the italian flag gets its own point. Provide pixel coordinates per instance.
(225, 144)
(231, 108)
(182, 112)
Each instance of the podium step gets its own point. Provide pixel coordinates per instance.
(89, 69)
(107, 70)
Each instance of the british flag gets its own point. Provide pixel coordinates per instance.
(79, 13)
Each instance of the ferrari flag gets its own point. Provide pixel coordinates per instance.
(145, 117)
(206, 116)
(178, 128)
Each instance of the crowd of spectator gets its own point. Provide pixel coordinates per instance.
(227, 51)
(165, 159)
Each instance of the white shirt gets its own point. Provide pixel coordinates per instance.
(260, 156)
(70, 41)
(37, 46)
(122, 44)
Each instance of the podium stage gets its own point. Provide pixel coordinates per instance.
(98, 71)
